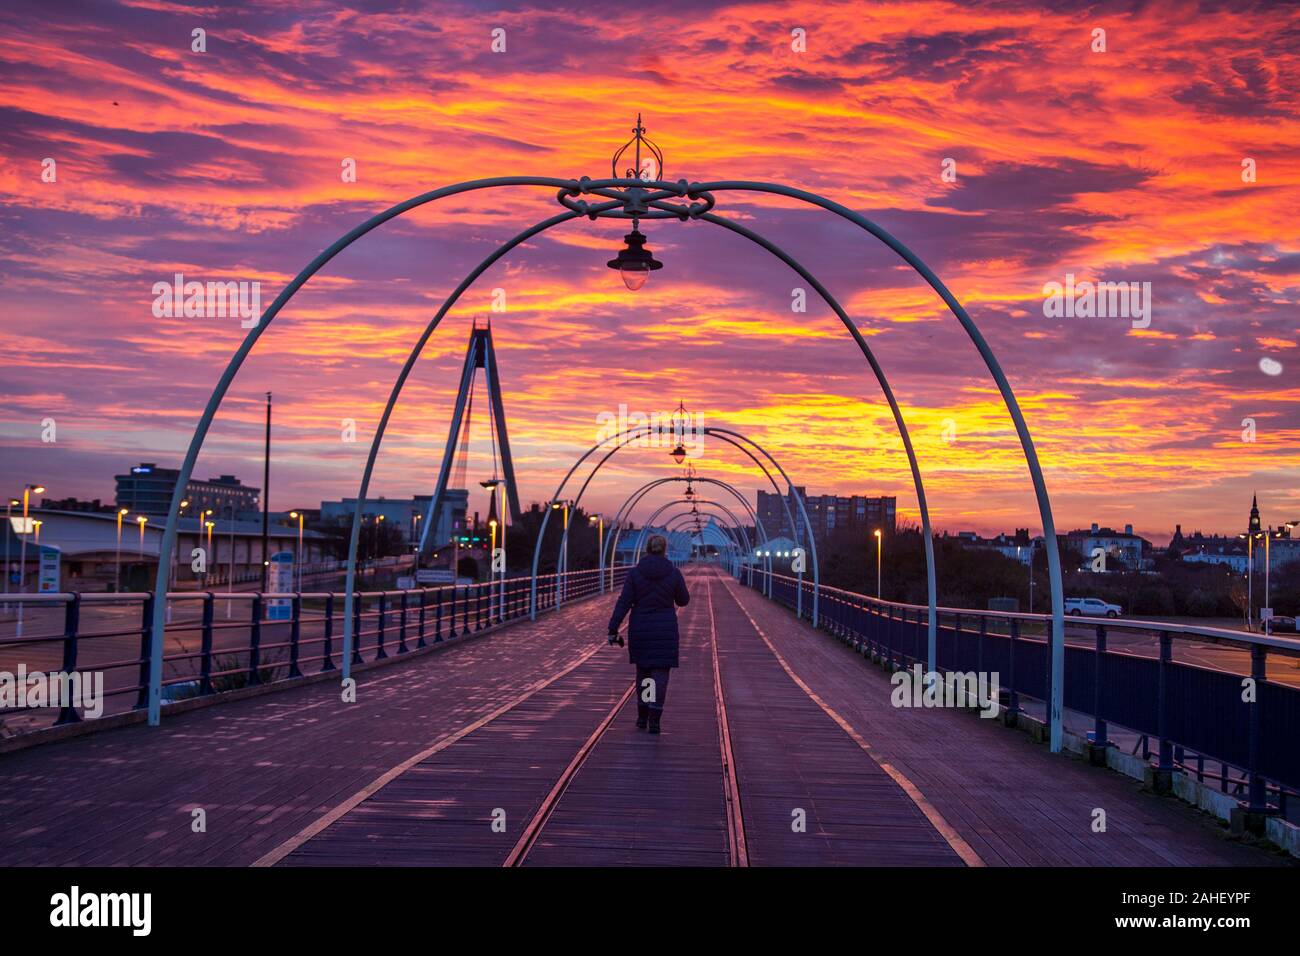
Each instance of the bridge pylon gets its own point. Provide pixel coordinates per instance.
(480, 354)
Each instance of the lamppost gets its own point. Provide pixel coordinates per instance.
(599, 522)
(298, 557)
(1250, 577)
(878, 549)
(210, 556)
(22, 561)
(492, 574)
(564, 555)
(9, 530)
(117, 581)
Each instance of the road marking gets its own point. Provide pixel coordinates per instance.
(730, 781)
(352, 802)
(534, 828)
(946, 830)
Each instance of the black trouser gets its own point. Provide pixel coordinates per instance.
(651, 695)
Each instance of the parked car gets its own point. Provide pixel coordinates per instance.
(1280, 624)
(1091, 607)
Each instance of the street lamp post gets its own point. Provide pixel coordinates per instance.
(22, 561)
(492, 574)
(298, 557)
(501, 510)
(209, 557)
(599, 522)
(564, 554)
(117, 581)
(878, 549)
(9, 530)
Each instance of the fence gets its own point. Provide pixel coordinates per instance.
(1201, 718)
(218, 641)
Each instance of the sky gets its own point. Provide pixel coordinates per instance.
(1008, 145)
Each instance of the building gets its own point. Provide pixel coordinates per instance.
(827, 514)
(1122, 549)
(90, 551)
(406, 514)
(1019, 546)
(147, 489)
(1240, 551)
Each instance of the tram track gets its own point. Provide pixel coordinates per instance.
(737, 849)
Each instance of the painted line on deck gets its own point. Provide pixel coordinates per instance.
(946, 830)
(352, 802)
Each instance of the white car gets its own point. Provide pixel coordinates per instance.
(1091, 607)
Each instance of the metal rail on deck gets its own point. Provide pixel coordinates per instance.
(1195, 713)
(229, 641)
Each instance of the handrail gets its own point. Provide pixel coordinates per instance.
(1285, 644)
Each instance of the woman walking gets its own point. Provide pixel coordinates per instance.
(653, 591)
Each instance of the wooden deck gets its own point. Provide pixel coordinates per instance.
(519, 747)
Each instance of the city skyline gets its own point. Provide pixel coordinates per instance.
(170, 163)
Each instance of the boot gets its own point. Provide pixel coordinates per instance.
(655, 715)
(642, 713)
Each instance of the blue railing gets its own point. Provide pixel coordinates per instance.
(224, 640)
(1197, 714)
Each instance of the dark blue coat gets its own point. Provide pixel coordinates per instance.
(653, 591)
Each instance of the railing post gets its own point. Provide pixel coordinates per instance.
(295, 634)
(1163, 778)
(979, 645)
(356, 628)
(146, 647)
(205, 645)
(71, 623)
(419, 640)
(955, 664)
(889, 639)
(451, 622)
(255, 641)
(380, 653)
(1258, 794)
(401, 627)
(478, 607)
(328, 640)
(437, 616)
(1100, 733)
(1013, 700)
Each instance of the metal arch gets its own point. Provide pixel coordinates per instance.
(546, 515)
(758, 524)
(629, 504)
(721, 433)
(722, 537)
(803, 510)
(355, 536)
(664, 507)
(1008, 397)
(635, 498)
(168, 543)
(725, 511)
(932, 591)
(642, 194)
(724, 533)
(711, 431)
(789, 515)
